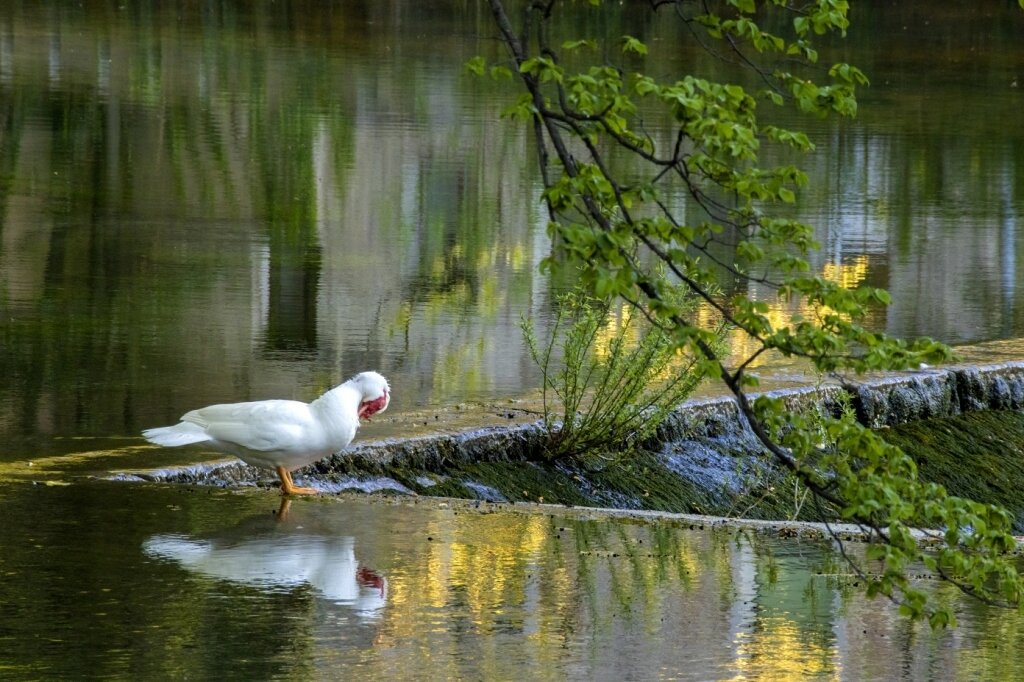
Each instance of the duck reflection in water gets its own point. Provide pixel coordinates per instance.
(279, 553)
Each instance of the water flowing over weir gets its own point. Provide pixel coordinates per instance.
(703, 459)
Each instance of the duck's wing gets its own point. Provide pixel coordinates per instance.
(264, 425)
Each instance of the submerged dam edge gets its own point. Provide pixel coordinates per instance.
(704, 458)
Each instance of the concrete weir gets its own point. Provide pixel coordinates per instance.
(704, 458)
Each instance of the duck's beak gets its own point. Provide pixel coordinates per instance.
(368, 408)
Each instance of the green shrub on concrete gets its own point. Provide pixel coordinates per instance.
(608, 380)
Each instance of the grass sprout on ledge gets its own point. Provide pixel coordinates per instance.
(610, 377)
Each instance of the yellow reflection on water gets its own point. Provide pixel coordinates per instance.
(847, 275)
(742, 345)
(620, 319)
(617, 322)
(782, 313)
(480, 575)
(779, 649)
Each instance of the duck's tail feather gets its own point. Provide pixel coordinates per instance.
(184, 433)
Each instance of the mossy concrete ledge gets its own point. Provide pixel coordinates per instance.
(936, 393)
(703, 459)
(881, 401)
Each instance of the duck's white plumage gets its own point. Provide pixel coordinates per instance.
(282, 435)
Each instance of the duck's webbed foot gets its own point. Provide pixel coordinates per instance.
(288, 487)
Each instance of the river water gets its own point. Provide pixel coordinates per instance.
(125, 581)
(207, 202)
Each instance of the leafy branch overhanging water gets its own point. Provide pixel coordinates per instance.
(586, 98)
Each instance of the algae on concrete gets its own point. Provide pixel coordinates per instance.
(978, 455)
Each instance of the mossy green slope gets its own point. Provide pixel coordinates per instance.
(979, 455)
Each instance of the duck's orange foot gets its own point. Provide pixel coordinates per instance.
(288, 487)
(298, 490)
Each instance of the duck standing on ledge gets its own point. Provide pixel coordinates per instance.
(282, 435)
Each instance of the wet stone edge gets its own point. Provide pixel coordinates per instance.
(704, 459)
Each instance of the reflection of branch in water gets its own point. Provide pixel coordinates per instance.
(633, 562)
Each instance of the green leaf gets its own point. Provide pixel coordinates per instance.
(631, 44)
(476, 65)
(746, 6)
(573, 45)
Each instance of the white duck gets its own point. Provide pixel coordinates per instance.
(282, 435)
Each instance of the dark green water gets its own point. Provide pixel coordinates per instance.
(205, 202)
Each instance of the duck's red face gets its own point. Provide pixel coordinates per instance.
(368, 408)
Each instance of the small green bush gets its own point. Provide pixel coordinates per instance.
(606, 390)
